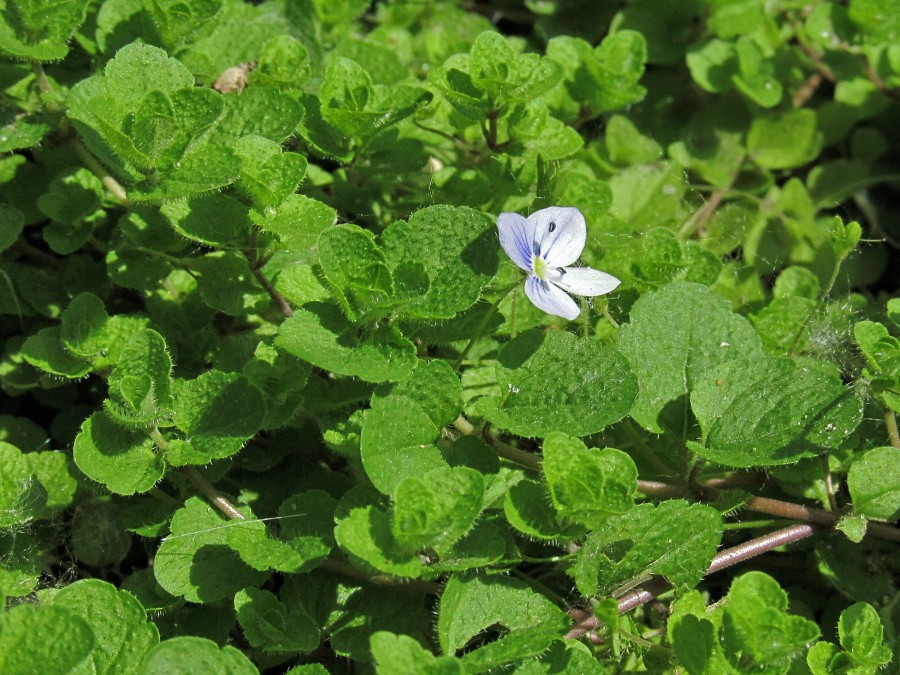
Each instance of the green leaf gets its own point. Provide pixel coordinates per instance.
(355, 267)
(785, 140)
(457, 246)
(56, 473)
(195, 561)
(227, 284)
(43, 639)
(757, 632)
(140, 385)
(587, 484)
(122, 632)
(284, 64)
(437, 508)
(307, 524)
(397, 441)
(218, 412)
(124, 460)
(214, 219)
(677, 336)
(19, 565)
(177, 20)
(22, 496)
(506, 76)
(258, 111)
(38, 30)
(604, 78)
(84, 326)
(320, 334)
(366, 534)
(12, 220)
(402, 654)
(298, 221)
(45, 350)
(434, 386)
(268, 175)
(271, 626)
(555, 381)
(471, 604)
(674, 539)
(195, 656)
(528, 507)
(874, 483)
(861, 635)
(772, 411)
(281, 378)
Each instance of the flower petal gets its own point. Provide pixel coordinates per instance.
(583, 280)
(517, 239)
(550, 298)
(560, 233)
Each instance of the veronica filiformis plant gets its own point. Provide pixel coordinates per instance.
(545, 245)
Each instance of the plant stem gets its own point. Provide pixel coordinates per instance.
(890, 420)
(41, 77)
(111, 184)
(727, 558)
(209, 491)
(283, 305)
(829, 485)
(483, 324)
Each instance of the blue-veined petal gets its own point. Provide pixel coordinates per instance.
(560, 233)
(583, 280)
(551, 299)
(517, 239)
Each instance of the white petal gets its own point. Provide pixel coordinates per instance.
(583, 280)
(550, 298)
(517, 239)
(560, 233)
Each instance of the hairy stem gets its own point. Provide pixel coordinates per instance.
(727, 558)
(111, 184)
(890, 420)
(208, 490)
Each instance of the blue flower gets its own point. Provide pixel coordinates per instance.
(545, 245)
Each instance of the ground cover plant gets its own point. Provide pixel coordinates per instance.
(283, 391)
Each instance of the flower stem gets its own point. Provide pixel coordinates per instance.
(484, 322)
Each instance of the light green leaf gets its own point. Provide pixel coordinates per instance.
(861, 635)
(757, 632)
(471, 604)
(122, 632)
(195, 561)
(555, 381)
(124, 460)
(218, 412)
(397, 441)
(84, 326)
(195, 656)
(297, 221)
(674, 539)
(588, 484)
(366, 534)
(271, 626)
(784, 140)
(437, 508)
(43, 639)
(45, 350)
(22, 496)
(320, 334)
(457, 246)
(676, 336)
(402, 654)
(39, 29)
(874, 483)
(772, 411)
